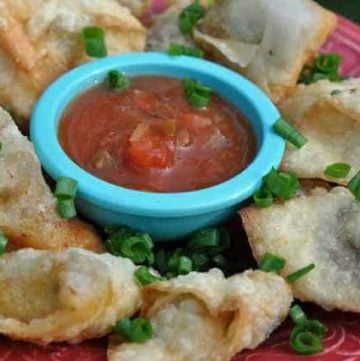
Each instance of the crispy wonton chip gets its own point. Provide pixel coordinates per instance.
(64, 296)
(28, 212)
(321, 228)
(328, 114)
(40, 40)
(203, 316)
(267, 41)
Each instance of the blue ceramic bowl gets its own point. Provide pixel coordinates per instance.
(166, 216)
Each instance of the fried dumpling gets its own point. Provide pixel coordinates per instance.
(40, 40)
(68, 296)
(267, 41)
(165, 27)
(328, 114)
(321, 227)
(28, 212)
(205, 317)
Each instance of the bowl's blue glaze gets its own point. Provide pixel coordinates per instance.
(165, 216)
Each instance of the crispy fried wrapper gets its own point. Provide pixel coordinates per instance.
(328, 114)
(267, 41)
(40, 40)
(69, 296)
(165, 27)
(321, 227)
(28, 212)
(203, 316)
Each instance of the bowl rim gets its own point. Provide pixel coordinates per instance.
(227, 194)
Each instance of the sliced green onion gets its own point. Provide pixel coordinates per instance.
(145, 277)
(328, 63)
(272, 263)
(338, 170)
(66, 188)
(354, 186)
(297, 315)
(161, 262)
(66, 208)
(199, 261)
(316, 327)
(305, 342)
(117, 80)
(288, 132)
(184, 265)
(335, 92)
(94, 40)
(263, 197)
(293, 277)
(190, 16)
(3, 242)
(197, 94)
(205, 238)
(282, 184)
(173, 261)
(178, 49)
(1, 146)
(139, 330)
(136, 248)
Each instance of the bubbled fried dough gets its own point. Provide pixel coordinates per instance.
(28, 213)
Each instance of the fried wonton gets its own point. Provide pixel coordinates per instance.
(28, 212)
(267, 41)
(203, 316)
(165, 27)
(328, 114)
(41, 39)
(321, 227)
(68, 296)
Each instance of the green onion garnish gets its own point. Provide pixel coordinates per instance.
(272, 263)
(3, 242)
(205, 238)
(282, 184)
(335, 92)
(190, 16)
(305, 342)
(139, 330)
(116, 80)
(178, 49)
(94, 40)
(184, 265)
(297, 315)
(199, 261)
(263, 197)
(197, 94)
(338, 170)
(354, 186)
(293, 277)
(66, 208)
(1, 146)
(145, 277)
(66, 188)
(288, 132)
(326, 66)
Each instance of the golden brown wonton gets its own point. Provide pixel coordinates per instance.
(321, 227)
(267, 41)
(28, 212)
(40, 40)
(328, 114)
(205, 317)
(64, 296)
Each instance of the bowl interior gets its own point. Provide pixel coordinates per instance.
(235, 89)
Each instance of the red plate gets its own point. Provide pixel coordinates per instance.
(343, 340)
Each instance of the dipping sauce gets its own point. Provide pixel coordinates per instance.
(148, 137)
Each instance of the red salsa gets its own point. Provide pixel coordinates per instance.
(149, 137)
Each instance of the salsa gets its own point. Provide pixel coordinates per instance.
(148, 137)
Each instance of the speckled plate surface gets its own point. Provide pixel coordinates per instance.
(343, 340)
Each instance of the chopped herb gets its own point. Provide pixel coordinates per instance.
(293, 277)
(139, 330)
(3, 242)
(282, 184)
(338, 170)
(197, 94)
(116, 80)
(178, 49)
(145, 277)
(288, 132)
(190, 16)
(66, 188)
(199, 261)
(66, 208)
(297, 315)
(335, 92)
(272, 263)
(354, 186)
(94, 40)
(263, 197)
(184, 265)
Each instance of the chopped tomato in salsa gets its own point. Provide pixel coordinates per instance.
(149, 137)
